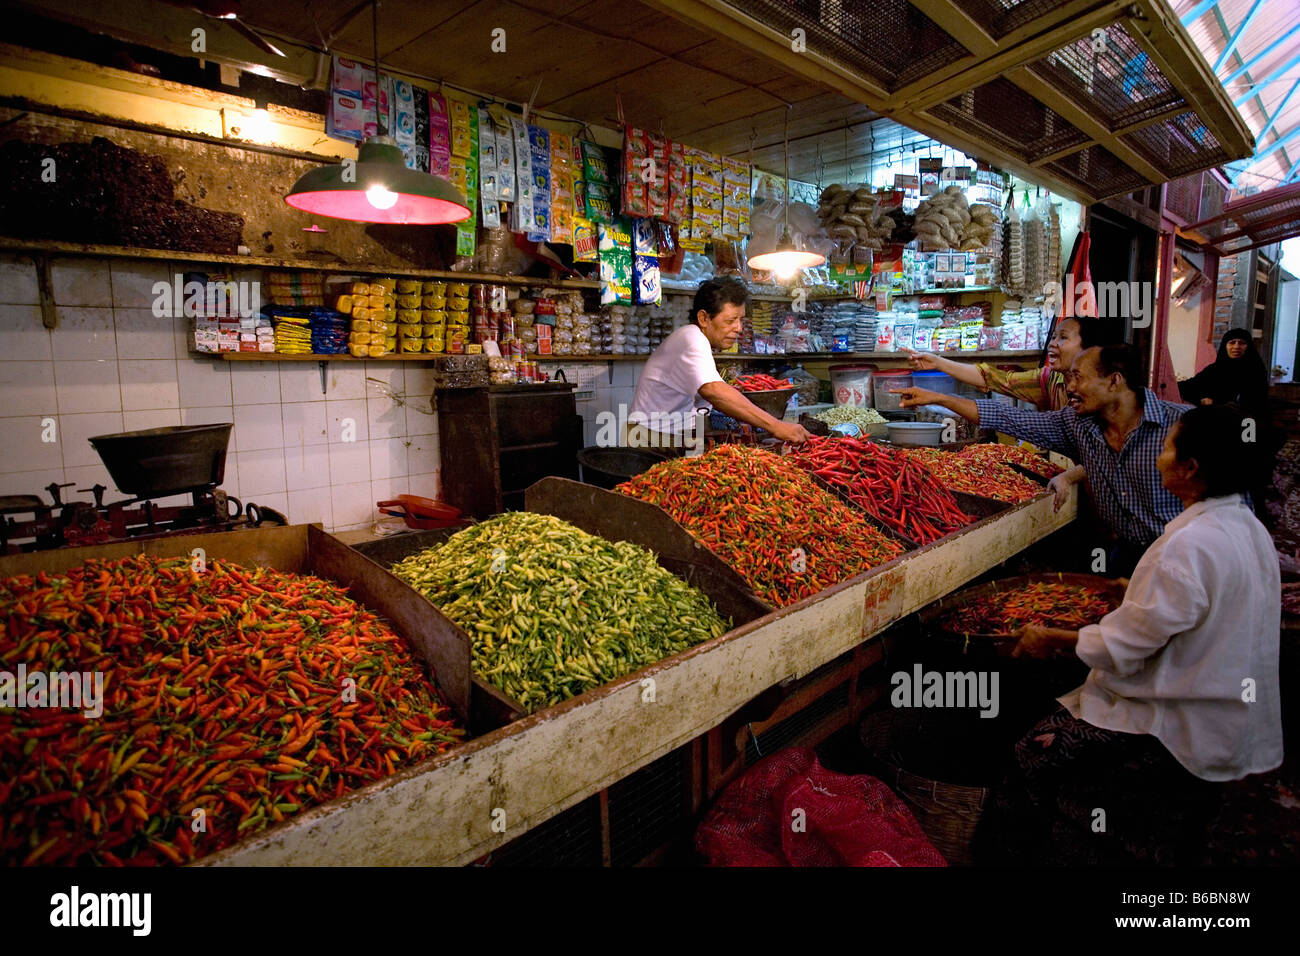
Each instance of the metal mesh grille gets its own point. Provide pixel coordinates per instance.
(797, 725)
(571, 838)
(1266, 224)
(1265, 236)
(1000, 17)
(1183, 197)
(648, 809)
(1178, 146)
(853, 32)
(1213, 196)
(1118, 84)
(1259, 214)
(1097, 171)
(1005, 115)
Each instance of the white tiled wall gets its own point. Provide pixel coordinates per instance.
(608, 395)
(111, 366)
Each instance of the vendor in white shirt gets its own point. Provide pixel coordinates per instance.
(681, 377)
(1183, 692)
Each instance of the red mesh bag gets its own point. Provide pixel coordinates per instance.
(846, 820)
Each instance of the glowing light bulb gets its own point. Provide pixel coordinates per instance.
(381, 197)
(785, 268)
(258, 125)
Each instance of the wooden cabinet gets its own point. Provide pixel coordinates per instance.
(497, 441)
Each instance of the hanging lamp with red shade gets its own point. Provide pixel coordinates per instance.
(378, 186)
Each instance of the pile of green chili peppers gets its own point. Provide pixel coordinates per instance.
(553, 611)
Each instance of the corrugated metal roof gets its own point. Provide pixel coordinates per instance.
(1263, 88)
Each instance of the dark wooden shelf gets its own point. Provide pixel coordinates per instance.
(49, 247)
(495, 442)
(532, 447)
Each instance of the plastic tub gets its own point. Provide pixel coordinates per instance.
(794, 414)
(886, 382)
(935, 381)
(852, 385)
(915, 433)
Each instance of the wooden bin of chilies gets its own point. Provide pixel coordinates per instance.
(488, 707)
(977, 506)
(614, 517)
(942, 758)
(619, 517)
(433, 639)
(303, 549)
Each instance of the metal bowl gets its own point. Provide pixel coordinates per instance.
(171, 460)
(609, 467)
(773, 401)
(933, 617)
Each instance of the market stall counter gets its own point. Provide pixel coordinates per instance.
(465, 803)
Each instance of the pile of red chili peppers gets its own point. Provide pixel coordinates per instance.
(1012, 455)
(885, 483)
(786, 536)
(1046, 603)
(761, 383)
(227, 706)
(976, 476)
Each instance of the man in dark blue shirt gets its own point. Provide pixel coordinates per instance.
(1114, 426)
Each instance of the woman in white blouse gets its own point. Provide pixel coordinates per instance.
(1183, 692)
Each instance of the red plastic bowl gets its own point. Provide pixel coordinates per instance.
(422, 514)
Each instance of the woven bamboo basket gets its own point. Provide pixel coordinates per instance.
(947, 812)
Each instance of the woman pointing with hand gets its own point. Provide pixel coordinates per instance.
(1044, 387)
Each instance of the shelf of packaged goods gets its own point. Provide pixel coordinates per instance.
(814, 297)
(951, 291)
(34, 247)
(403, 357)
(330, 357)
(770, 297)
(761, 297)
(448, 810)
(980, 355)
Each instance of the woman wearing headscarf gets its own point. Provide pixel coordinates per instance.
(1237, 376)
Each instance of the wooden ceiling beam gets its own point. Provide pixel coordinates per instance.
(1060, 154)
(1168, 113)
(959, 25)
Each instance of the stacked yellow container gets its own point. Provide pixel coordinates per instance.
(410, 330)
(373, 308)
(433, 315)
